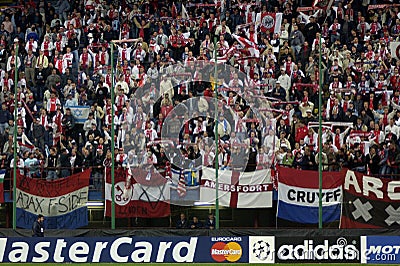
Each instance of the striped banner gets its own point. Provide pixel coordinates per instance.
(62, 202)
(298, 196)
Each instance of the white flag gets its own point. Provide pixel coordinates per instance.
(395, 49)
(184, 12)
(237, 189)
(80, 113)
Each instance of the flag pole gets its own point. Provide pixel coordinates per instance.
(112, 141)
(216, 133)
(320, 135)
(15, 140)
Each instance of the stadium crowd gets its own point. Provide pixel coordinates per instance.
(64, 61)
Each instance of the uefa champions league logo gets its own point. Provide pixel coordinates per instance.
(262, 250)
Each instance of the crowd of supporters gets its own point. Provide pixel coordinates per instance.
(64, 61)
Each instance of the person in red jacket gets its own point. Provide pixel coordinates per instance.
(301, 131)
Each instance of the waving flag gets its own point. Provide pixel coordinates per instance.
(185, 189)
(370, 202)
(237, 189)
(174, 11)
(395, 49)
(184, 12)
(2, 174)
(145, 195)
(323, 4)
(181, 185)
(298, 196)
(269, 21)
(62, 202)
(80, 113)
(225, 57)
(249, 45)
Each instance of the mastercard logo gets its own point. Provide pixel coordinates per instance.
(221, 251)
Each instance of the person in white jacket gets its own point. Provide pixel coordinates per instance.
(87, 126)
(285, 81)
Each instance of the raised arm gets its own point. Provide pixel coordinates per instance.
(395, 106)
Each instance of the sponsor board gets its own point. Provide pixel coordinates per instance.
(317, 249)
(380, 249)
(261, 249)
(124, 249)
(229, 249)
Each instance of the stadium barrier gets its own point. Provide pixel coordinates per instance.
(303, 246)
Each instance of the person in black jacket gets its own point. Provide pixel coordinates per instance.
(5, 116)
(182, 223)
(308, 162)
(68, 123)
(210, 222)
(65, 163)
(73, 43)
(38, 132)
(311, 29)
(196, 223)
(279, 92)
(38, 227)
(52, 165)
(3, 56)
(373, 160)
(98, 170)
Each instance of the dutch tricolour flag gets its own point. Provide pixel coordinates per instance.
(63, 202)
(298, 196)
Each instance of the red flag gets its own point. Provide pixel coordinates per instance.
(174, 11)
(269, 21)
(251, 46)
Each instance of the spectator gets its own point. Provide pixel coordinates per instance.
(38, 227)
(182, 223)
(296, 39)
(210, 222)
(38, 132)
(5, 116)
(51, 165)
(32, 165)
(373, 161)
(66, 59)
(195, 223)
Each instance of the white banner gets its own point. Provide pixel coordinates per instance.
(308, 196)
(137, 192)
(52, 206)
(237, 189)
